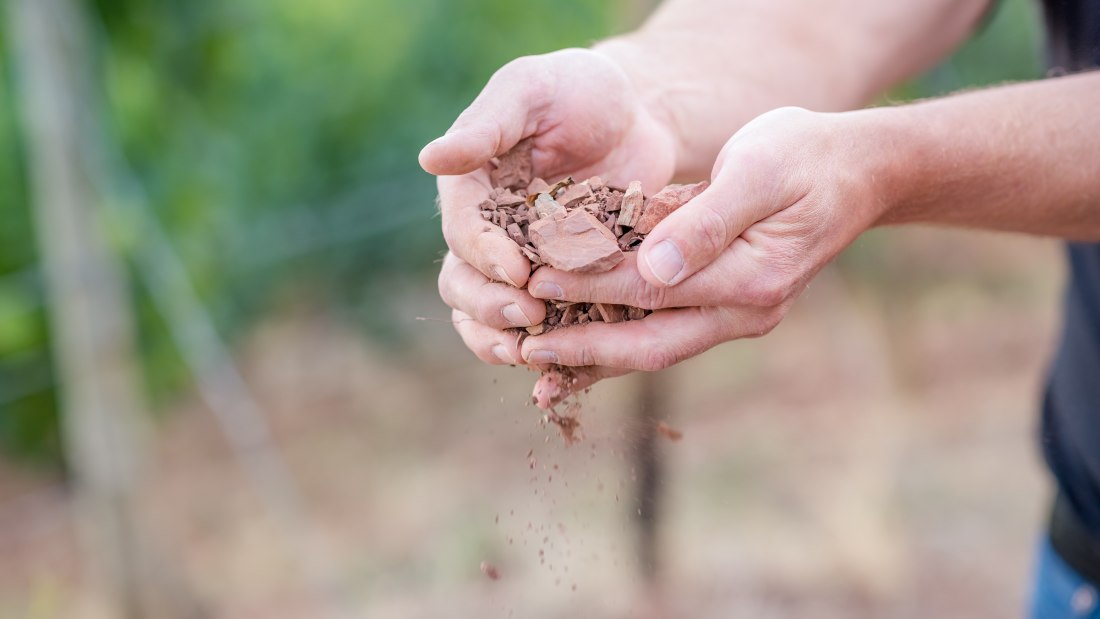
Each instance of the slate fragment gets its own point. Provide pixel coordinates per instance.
(578, 243)
(664, 202)
(631, 207)
(514, 169)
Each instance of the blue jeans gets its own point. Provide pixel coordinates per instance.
(1060, 592)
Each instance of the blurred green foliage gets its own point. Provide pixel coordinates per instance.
(276, 140)
(28, 426)
(1007, 48)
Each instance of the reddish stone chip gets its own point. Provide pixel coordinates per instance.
(613, 202)
(516, 234)
(663, 203)
(668, 431)
(569, 314)
(508, 198)
(515, 170)
(537, 186)
(490, 570)
(574, 194)
(611, 313)
(631, 206)
(578, 243)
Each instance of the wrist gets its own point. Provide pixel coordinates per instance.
(892, 160)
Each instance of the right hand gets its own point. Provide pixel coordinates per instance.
(586, 118)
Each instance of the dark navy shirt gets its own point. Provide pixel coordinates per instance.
(1071, 408)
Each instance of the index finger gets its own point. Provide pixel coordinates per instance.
(481, 243)
(728, 280)
(655, 342)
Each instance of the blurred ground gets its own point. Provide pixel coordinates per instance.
(872, 457)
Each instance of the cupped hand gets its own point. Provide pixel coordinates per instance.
(585, 118)
(788, 192)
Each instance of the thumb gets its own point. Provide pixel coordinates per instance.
(694, 235)
(504, 113)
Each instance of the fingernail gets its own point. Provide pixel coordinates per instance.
(515, 316)
(548, 290)
(538, 357)
(502, 275)
(500, 352)
(666, 261)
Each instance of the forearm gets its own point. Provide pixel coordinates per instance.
(1022, 158)
(708, 66)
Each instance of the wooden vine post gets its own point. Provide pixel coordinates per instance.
(90, 314)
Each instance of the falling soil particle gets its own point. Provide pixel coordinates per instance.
(490, 570)
(668, 431)
(568, 424)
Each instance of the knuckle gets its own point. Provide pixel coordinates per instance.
(484, 311)
(516, 73)
(485, 354)
(586, 356)
(771, 320)
(517, 67)
(651, 297)
(444, 286)
(487, 237)
(769, 290)
(583, 288)
(456, 323)
(487, 255)
(482, 344)
(461, 235)
(655, 359)
(488, 306)
(771, 294)
(728, 296)
(713, 231)
(489, 132)
(532, 74)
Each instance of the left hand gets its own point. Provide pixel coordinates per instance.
(789, 191)
(583, 113)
